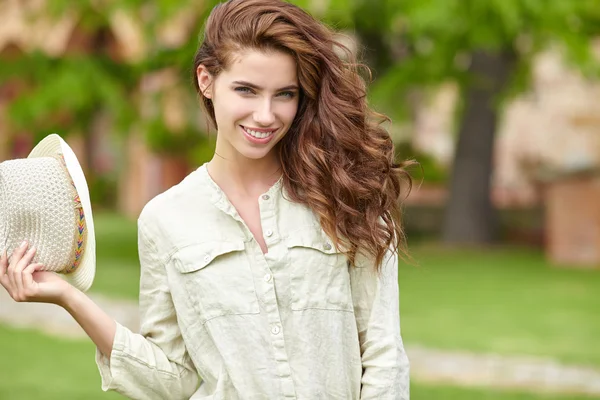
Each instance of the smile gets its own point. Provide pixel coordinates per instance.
(258, 132)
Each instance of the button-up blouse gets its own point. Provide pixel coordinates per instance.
(222, 320)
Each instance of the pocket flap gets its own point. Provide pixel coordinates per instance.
(197, 256)
(311, 237)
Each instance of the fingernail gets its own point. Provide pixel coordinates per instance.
(31, 250)
(24, 244)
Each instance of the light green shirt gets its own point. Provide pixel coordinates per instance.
(222, 320)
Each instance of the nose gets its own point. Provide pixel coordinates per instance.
(264, 115)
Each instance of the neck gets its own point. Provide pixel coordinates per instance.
(244, 178)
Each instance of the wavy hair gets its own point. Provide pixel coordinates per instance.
(336, 157)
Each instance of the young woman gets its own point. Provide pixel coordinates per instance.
(271, 271)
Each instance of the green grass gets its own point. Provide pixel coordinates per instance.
(118, 268)
(509, 301)
(421, 391)
(35, 366)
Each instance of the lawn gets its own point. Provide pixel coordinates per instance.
(35, 366)
(118, 268)
(509, 301)
(420, 391)
(505, 300)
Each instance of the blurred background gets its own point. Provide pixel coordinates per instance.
(498, 100)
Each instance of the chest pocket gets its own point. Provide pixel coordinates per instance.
(319, 277)
(217, 279)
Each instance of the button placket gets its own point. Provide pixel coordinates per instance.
(269, 219)
(267, 212)
(269, 224)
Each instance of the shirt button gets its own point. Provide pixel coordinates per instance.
(268, 277)
(275, 330)
(269, 233)
(327, 246)
(266, 197)
(206, 258)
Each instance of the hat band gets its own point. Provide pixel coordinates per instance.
(80, 238)
(81, 226)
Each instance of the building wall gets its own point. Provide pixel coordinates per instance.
(550, 130)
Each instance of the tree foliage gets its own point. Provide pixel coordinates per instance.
(411, 45)
(431, 41)
(65, 93)
(487, 48)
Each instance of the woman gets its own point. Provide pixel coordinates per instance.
(271, 271)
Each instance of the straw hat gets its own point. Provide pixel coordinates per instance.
(45, 199)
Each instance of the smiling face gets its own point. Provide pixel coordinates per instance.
(255, 101)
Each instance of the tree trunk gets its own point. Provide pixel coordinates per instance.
(470, 217)
(376, 53)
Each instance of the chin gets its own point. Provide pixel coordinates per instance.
(255, 154)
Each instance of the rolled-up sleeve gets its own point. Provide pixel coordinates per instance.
(376, 306)
(153, 364)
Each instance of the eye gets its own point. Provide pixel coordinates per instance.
(244, 90)
(289, 94)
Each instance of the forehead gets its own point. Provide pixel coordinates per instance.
(268, 69)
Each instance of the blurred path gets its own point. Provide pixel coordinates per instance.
(56, 321)
(492, 370)
(427, 365)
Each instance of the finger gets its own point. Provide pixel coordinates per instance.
(26, 259)
(18, 271)
(28, 281)
(16, 255)
(3, 268)
(3, 262)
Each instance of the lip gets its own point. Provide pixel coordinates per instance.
(261, 130)
(254, 140)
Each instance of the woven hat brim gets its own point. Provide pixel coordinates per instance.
(52, 145)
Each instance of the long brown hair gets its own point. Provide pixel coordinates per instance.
(336, 158)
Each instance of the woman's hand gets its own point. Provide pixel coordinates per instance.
(26, 283)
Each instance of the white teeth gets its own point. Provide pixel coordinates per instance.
(258, 135)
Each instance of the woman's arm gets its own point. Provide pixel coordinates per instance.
(155, 363)
(151, 365)
(98, 325)
(25, 283)
(376, 306)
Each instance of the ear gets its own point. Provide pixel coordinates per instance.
(205, 81)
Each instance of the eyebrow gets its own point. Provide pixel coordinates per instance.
(253, 86)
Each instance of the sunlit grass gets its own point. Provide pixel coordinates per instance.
(509, 301)
(34, 366)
